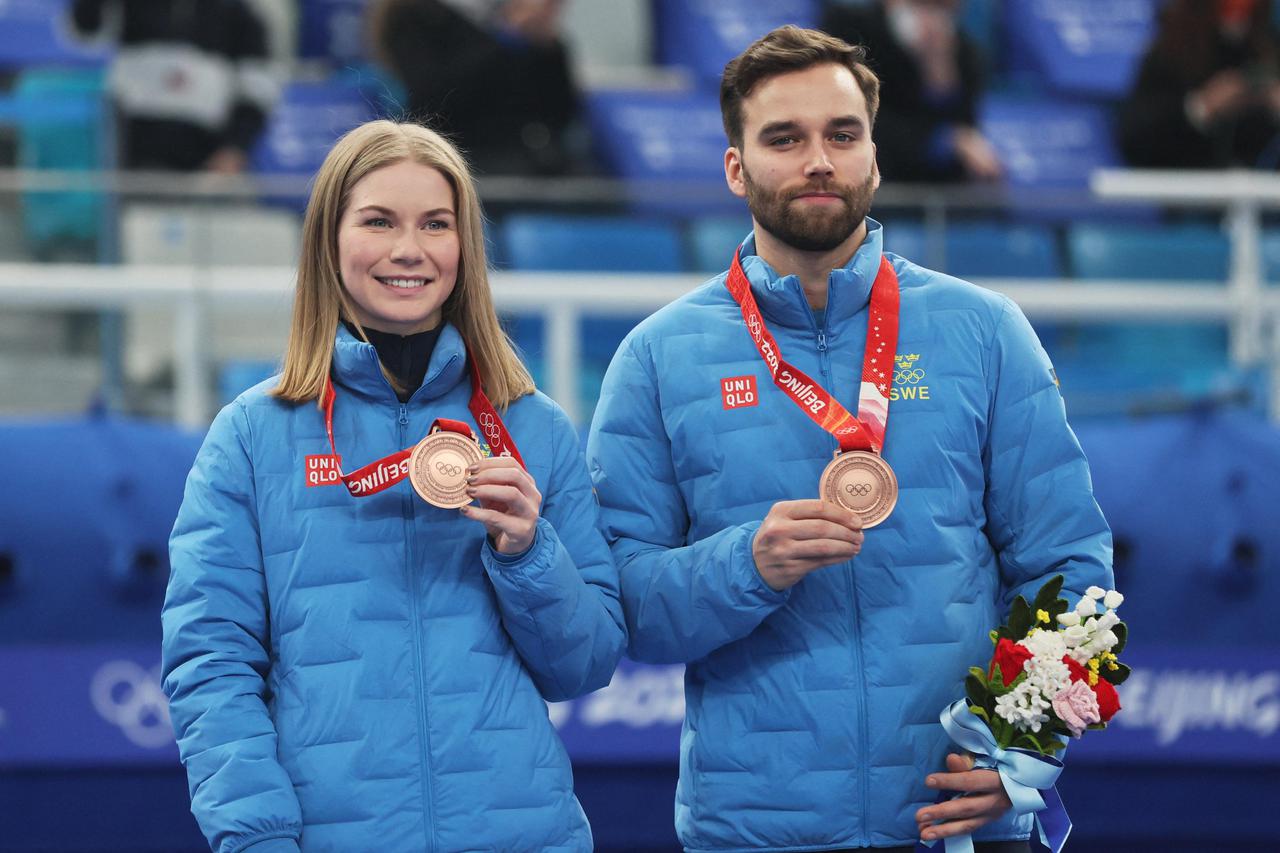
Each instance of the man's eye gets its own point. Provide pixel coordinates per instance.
(842, 137)
(782, 140)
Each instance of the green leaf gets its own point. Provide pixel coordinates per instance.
(1096, 727)
(976, 690)
(1021, 619)
(1117, 675)
(1121, 631)
(1048, 594)
(981, 712)
(1035, 744)
(1052, 745)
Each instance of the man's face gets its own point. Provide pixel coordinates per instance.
(807, 164)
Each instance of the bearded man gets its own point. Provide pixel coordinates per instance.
(827, 573)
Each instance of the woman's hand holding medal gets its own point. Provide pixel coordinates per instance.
(509, 503)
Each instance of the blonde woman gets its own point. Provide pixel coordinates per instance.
(387, 557)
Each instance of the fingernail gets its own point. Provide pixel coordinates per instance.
(926, 818)
(465, 510)
(471, 469)
(929, 836)
(931, 782)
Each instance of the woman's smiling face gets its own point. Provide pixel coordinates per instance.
(398, 247)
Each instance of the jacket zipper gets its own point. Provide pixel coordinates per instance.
(420, 675)
(864, 782)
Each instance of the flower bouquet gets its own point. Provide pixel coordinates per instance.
(1053, 675)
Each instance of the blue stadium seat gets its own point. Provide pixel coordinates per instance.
(907, 238)
(532, 241)
(986, 250)
(1270, 250)
(1186, 252)
(703, 35)
(37, 33)
(1048, 144)
(305, 122)
(1078, 48)
(714, 239)
(333, 30)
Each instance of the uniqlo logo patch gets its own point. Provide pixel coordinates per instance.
(323, 470)
(739, 391)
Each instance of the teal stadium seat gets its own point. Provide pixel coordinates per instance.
(999, 250)
(547, 242)
(712, 241)
(1179, 357)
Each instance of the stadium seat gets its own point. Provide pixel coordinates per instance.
(36, 33)
(332, 30)
(1045, 143)
(712, 241)
(1078, 48)
(1270, 250)
(61, 120)
(1181, 252)
(673, 139)
(533, 241)
(307, 120)
(993, 250)
(703, 35)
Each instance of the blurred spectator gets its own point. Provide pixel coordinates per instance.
(494, 75)
(1207, 93)
(191, 79)
(931, 77)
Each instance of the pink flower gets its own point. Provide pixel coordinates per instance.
(1077, 707)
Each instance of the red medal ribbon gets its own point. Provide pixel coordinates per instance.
(865, 432)
(389, 470)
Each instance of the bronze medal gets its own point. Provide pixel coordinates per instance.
(863, 482)
(438, 468)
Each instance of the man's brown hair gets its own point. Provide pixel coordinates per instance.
(785, 49)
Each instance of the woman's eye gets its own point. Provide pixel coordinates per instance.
(377, 222)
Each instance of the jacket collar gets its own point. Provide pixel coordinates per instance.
(781, 298)
(356, 367)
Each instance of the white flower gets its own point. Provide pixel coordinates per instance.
(1107, 621)
(1095, 592)
(1068, 619)
(1074, 636)
(1113, 600)
(1087, 606)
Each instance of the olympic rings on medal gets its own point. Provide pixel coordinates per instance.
(859, 489)
(448, 470)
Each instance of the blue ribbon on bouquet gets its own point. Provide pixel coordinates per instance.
(1028, 778)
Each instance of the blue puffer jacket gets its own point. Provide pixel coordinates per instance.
(812, 714)
(367, 674)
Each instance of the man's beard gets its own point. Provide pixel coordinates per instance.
(814, 230)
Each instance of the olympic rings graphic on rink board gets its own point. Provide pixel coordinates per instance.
(130, 698)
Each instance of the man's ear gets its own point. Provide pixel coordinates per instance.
(733, 172)
(875, 168)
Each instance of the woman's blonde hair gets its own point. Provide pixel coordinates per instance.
(320, 301)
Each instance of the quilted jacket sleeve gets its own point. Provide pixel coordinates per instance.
(215, 652)
(1042, 518)
(682, 601)
(559, 600)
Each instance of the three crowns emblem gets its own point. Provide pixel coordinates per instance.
(905, 362)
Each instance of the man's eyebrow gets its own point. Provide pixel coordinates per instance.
(778, 127)
(847, 121)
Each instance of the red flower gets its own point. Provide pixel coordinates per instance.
(1010, 657)
(1108, 699)
(1078, 672)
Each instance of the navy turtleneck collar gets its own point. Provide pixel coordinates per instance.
(404, 356)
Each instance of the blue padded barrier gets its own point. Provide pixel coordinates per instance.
(88, 507)
(39, 32)
(703, 35)
(1080, 48)
(993, 250)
